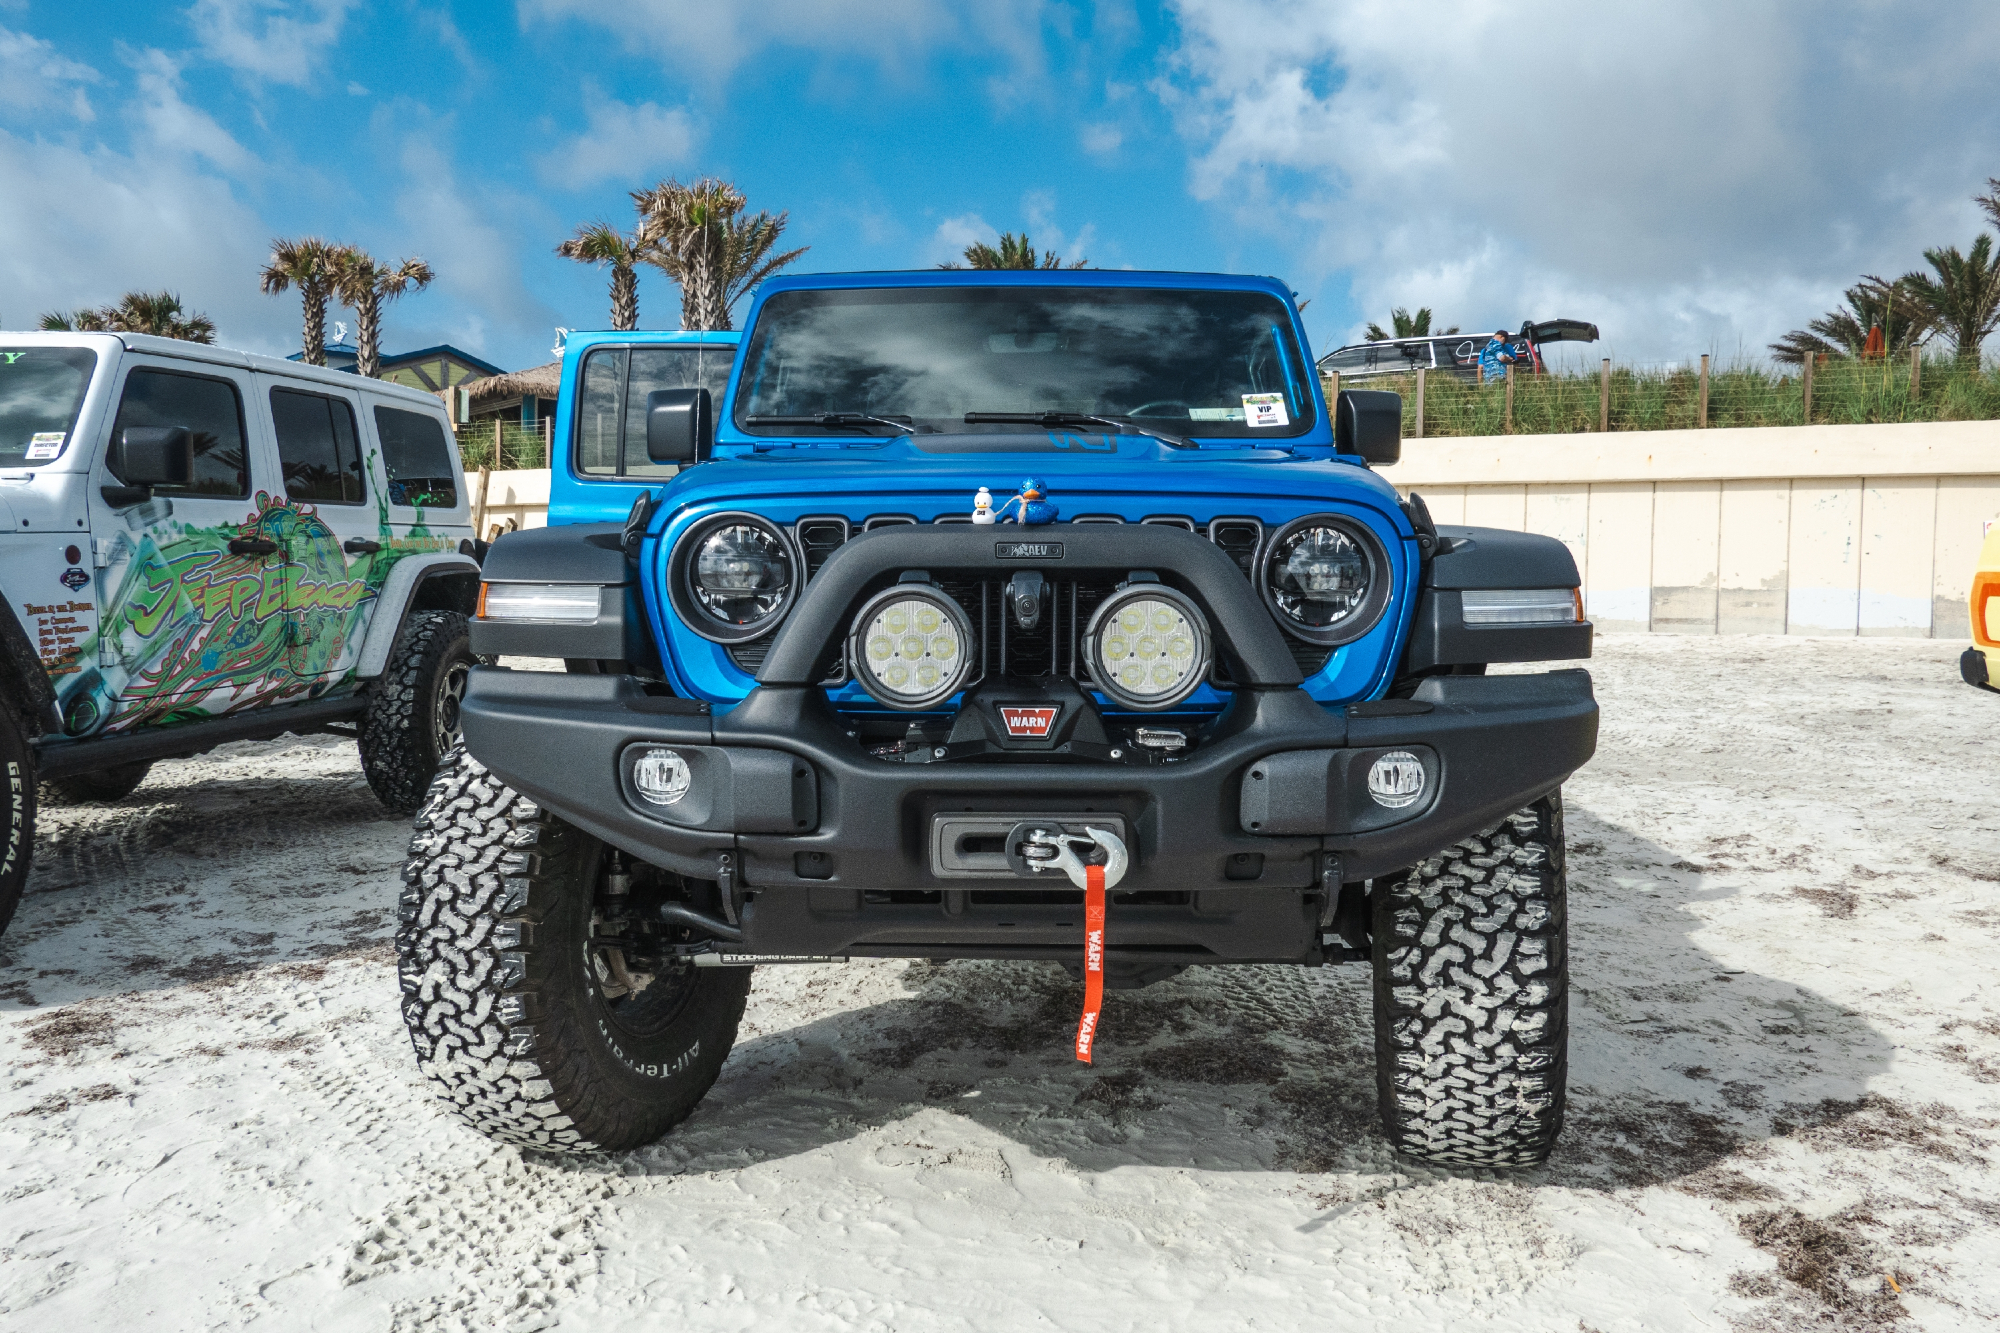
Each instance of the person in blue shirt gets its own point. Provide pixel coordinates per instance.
(1495, 357)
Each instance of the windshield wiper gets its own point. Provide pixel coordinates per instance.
(1077, 419)
(833, 419)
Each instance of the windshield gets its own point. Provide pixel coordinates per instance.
(41, 391)
(1209, 363)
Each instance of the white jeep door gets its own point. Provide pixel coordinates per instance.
(191, 580)
(331, 523)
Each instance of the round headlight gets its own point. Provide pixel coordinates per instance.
(912, 647)
(733, 577)
(1147, 647)
(1325, 579)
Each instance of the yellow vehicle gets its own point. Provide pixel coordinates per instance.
(1980, 664)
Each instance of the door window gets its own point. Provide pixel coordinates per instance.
(416, 459)
(611, 401)
(41, 391)
(210, 409)
(317, 447)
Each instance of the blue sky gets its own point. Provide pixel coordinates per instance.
(1700, 178)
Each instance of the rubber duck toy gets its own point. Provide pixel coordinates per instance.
(1032, 508)
(982, 506)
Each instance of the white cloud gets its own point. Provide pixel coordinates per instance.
(176, 127)
(949, 241)
(1693, 178)
(711, 39)
(270, 40)
(86, 225)
(1100, 138)
(34, 78)
(620, 142)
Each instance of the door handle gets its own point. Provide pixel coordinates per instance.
(252, 546)
(360, 546)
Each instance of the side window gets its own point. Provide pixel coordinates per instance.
(210, 409)
(416, 459)
(317, 447)
(611, 442)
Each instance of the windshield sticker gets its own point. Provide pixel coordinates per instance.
(1265, 410)
(44, 445)
(1215, 414)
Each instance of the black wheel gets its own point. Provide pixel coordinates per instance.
(108, 784)
(527, 1025)
(412, 718)
(1471, 958)
(17, 840)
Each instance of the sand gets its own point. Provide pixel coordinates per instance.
(1784, 1105)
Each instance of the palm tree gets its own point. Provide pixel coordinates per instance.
(1893, 307)
(312, 265)
(157, 313)
(696, 234)
(602, 243)
(1014, 252)
(365, 284)
(1990, 201)
(1964, 298)
(1407, 325)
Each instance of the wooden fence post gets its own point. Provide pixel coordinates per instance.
(498, 445)
(1916, 369)
(1334, 391)
(1701, 411)
(1805, 385)
(479, 507)
(1508, 427)
(1604, 395)
(1420, 402)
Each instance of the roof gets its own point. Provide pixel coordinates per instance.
(220, 356)
(537, 381)
(442, 349)
(1022, 277)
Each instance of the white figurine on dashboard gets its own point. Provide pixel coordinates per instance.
(982, 506)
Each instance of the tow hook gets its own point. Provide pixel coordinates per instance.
(1046, 850)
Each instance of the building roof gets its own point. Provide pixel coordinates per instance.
(536, 382)
(442, 349)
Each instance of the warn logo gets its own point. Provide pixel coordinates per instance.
(1031, 724)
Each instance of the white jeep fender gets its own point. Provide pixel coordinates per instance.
(393, 604)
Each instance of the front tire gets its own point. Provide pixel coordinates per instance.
(106, 785)
(1471, 959)
(413, 710)
(17, 791)
(504, 993)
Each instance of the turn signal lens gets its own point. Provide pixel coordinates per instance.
(538, 601)
(1523, 606)
(1986, 609)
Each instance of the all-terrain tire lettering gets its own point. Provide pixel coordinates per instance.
(497, 993)
(1472, 996)
(18, 848)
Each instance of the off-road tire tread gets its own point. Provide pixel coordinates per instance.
(105, 785)
(484, 993)
(17, 835)
(398, 753)
(1472, 997)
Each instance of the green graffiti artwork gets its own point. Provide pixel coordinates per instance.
(190, 629)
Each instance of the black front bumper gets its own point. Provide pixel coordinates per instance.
(1233, 849)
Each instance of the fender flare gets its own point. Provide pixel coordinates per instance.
(393, 604)
(24, 679)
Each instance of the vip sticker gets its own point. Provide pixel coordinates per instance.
(1265, 409)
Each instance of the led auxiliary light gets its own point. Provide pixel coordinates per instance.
(733, 578)
(912, 647)
(1396, 780)
(1147, 647)
(661, 776)
(1324, 578)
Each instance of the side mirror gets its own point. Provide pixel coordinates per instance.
(1369, 422)
(154, 456)
(680, 425)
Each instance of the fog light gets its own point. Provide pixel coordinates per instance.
(1147, 647)
(662, 776)
(1396, 779)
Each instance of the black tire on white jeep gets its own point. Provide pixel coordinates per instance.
(107, 784)
(1471, 959)
(505, 994)
(412, 717)
(17, 794)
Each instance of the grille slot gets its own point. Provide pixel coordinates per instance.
(1239, 539)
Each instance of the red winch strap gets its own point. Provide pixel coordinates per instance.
(1093, 960)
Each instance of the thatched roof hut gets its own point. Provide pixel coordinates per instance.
(521, 395)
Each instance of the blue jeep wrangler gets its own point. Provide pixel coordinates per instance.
(1037, 616)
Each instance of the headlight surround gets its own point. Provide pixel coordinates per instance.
(911, 647)
(571, 602)
(1148, 647)
(733, 577)
(1324, 578)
